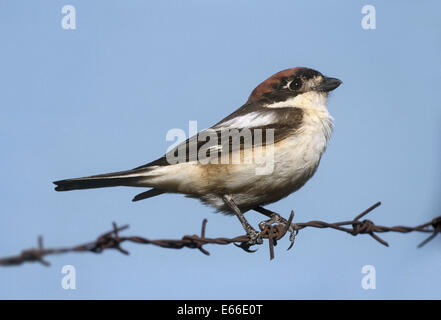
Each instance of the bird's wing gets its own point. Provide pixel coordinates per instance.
(248, 121)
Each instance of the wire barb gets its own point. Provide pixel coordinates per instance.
(272, 231)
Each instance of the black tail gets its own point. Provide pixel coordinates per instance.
(122, 178)
(148, 194)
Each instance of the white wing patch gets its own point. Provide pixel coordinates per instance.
(252, 119)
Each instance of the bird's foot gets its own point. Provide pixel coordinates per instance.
(293, 230)
(254, 238)
(278, 219)
(275, 218)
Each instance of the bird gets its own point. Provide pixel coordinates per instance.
(290, 107)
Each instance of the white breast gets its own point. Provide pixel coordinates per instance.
(298, 158)
(295, 162)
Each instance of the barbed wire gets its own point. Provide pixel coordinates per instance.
(271, 232)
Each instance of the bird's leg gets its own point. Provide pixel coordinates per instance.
(277, 218)
(255, 237)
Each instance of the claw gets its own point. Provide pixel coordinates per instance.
(255, 238)
(293, 232)
(245, 246)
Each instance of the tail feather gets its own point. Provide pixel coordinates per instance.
(122, 178)
(148, 194)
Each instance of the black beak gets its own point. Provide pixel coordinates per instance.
(328, 84)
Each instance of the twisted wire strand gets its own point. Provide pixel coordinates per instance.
(272, 232)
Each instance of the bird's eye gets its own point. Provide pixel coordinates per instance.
(296, 84)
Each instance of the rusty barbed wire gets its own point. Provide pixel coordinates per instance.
(271, 232)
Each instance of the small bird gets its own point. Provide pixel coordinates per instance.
(290, 106)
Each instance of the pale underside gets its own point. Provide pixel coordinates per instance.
(296, 158)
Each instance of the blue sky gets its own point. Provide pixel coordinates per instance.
(102, 97)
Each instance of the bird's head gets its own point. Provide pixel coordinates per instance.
(299, 85)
